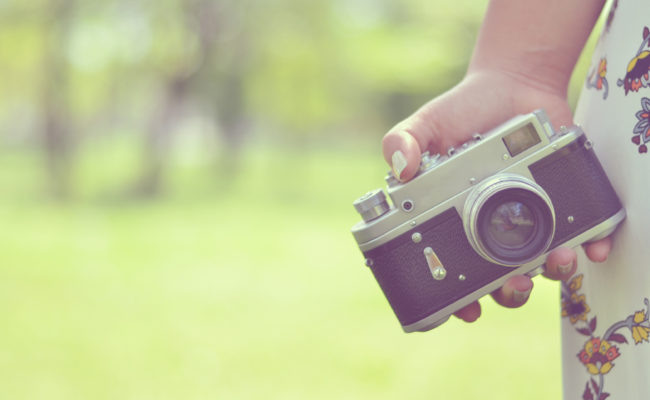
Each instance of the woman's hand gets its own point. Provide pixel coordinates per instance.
(480, 102)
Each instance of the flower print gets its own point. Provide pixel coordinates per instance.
(640, 332)
(575, 283)
(598, 355)
(639, 317)
(641, 131)
(602, 72)
(638, 69)
(597, 78)
(575, 308)
(637, 73)
(574, 305)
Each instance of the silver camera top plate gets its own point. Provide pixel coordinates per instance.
(446, 182)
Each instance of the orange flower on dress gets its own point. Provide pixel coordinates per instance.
(602, 72)
(602, 67)
(598, 355)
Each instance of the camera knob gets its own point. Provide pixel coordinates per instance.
(391, 181)
(428, 161)
(372, 205)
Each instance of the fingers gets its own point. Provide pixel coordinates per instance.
(561, 264)
(598, 251)
(515, 292)
(422, 131)
(469, 313)
(402, 153)
(439, 124)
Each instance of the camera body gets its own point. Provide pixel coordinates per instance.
(482, 213)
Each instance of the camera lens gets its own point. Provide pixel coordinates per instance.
(511, 224)
(509, 220)
(514, 226)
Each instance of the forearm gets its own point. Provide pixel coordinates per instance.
(539, 41)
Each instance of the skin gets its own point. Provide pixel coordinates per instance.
(509, 74)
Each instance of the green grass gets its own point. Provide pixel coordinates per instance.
(243, 288)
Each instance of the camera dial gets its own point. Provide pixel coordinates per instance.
(509, 220)
(372, 205)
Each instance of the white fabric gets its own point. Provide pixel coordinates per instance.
(606, 353)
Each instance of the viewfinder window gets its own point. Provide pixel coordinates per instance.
(522, 139)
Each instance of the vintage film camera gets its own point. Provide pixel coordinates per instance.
(482, 213)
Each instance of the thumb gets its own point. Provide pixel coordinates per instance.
(431, 128)
(439, 124)
(404, 143)
(402, 153)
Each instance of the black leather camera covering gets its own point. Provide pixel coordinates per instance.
(402, 272)
(578, 186)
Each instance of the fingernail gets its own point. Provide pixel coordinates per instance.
(565, 268)
(520, 296)
(399, 163)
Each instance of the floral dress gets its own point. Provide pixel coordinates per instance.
(605, 306)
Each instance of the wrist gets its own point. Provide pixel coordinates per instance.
(537, 43)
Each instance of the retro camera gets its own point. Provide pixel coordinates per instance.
(488, 210)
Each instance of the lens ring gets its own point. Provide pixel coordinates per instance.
(530, 237)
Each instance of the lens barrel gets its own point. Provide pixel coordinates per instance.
(509, 220)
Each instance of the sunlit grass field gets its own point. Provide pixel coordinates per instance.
(240, 287)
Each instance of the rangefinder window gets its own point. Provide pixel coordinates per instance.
(521, 140)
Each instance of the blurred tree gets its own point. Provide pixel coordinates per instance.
(229, 69)
(284, 71)
(217, 79)
(198, 18)
(57, 125)
(339, 67)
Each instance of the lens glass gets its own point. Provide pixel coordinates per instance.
(511, 224)
(515, 226)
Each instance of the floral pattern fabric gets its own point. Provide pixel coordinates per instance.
(605, 307)
(599, 352)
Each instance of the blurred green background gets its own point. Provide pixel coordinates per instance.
(176, 186)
